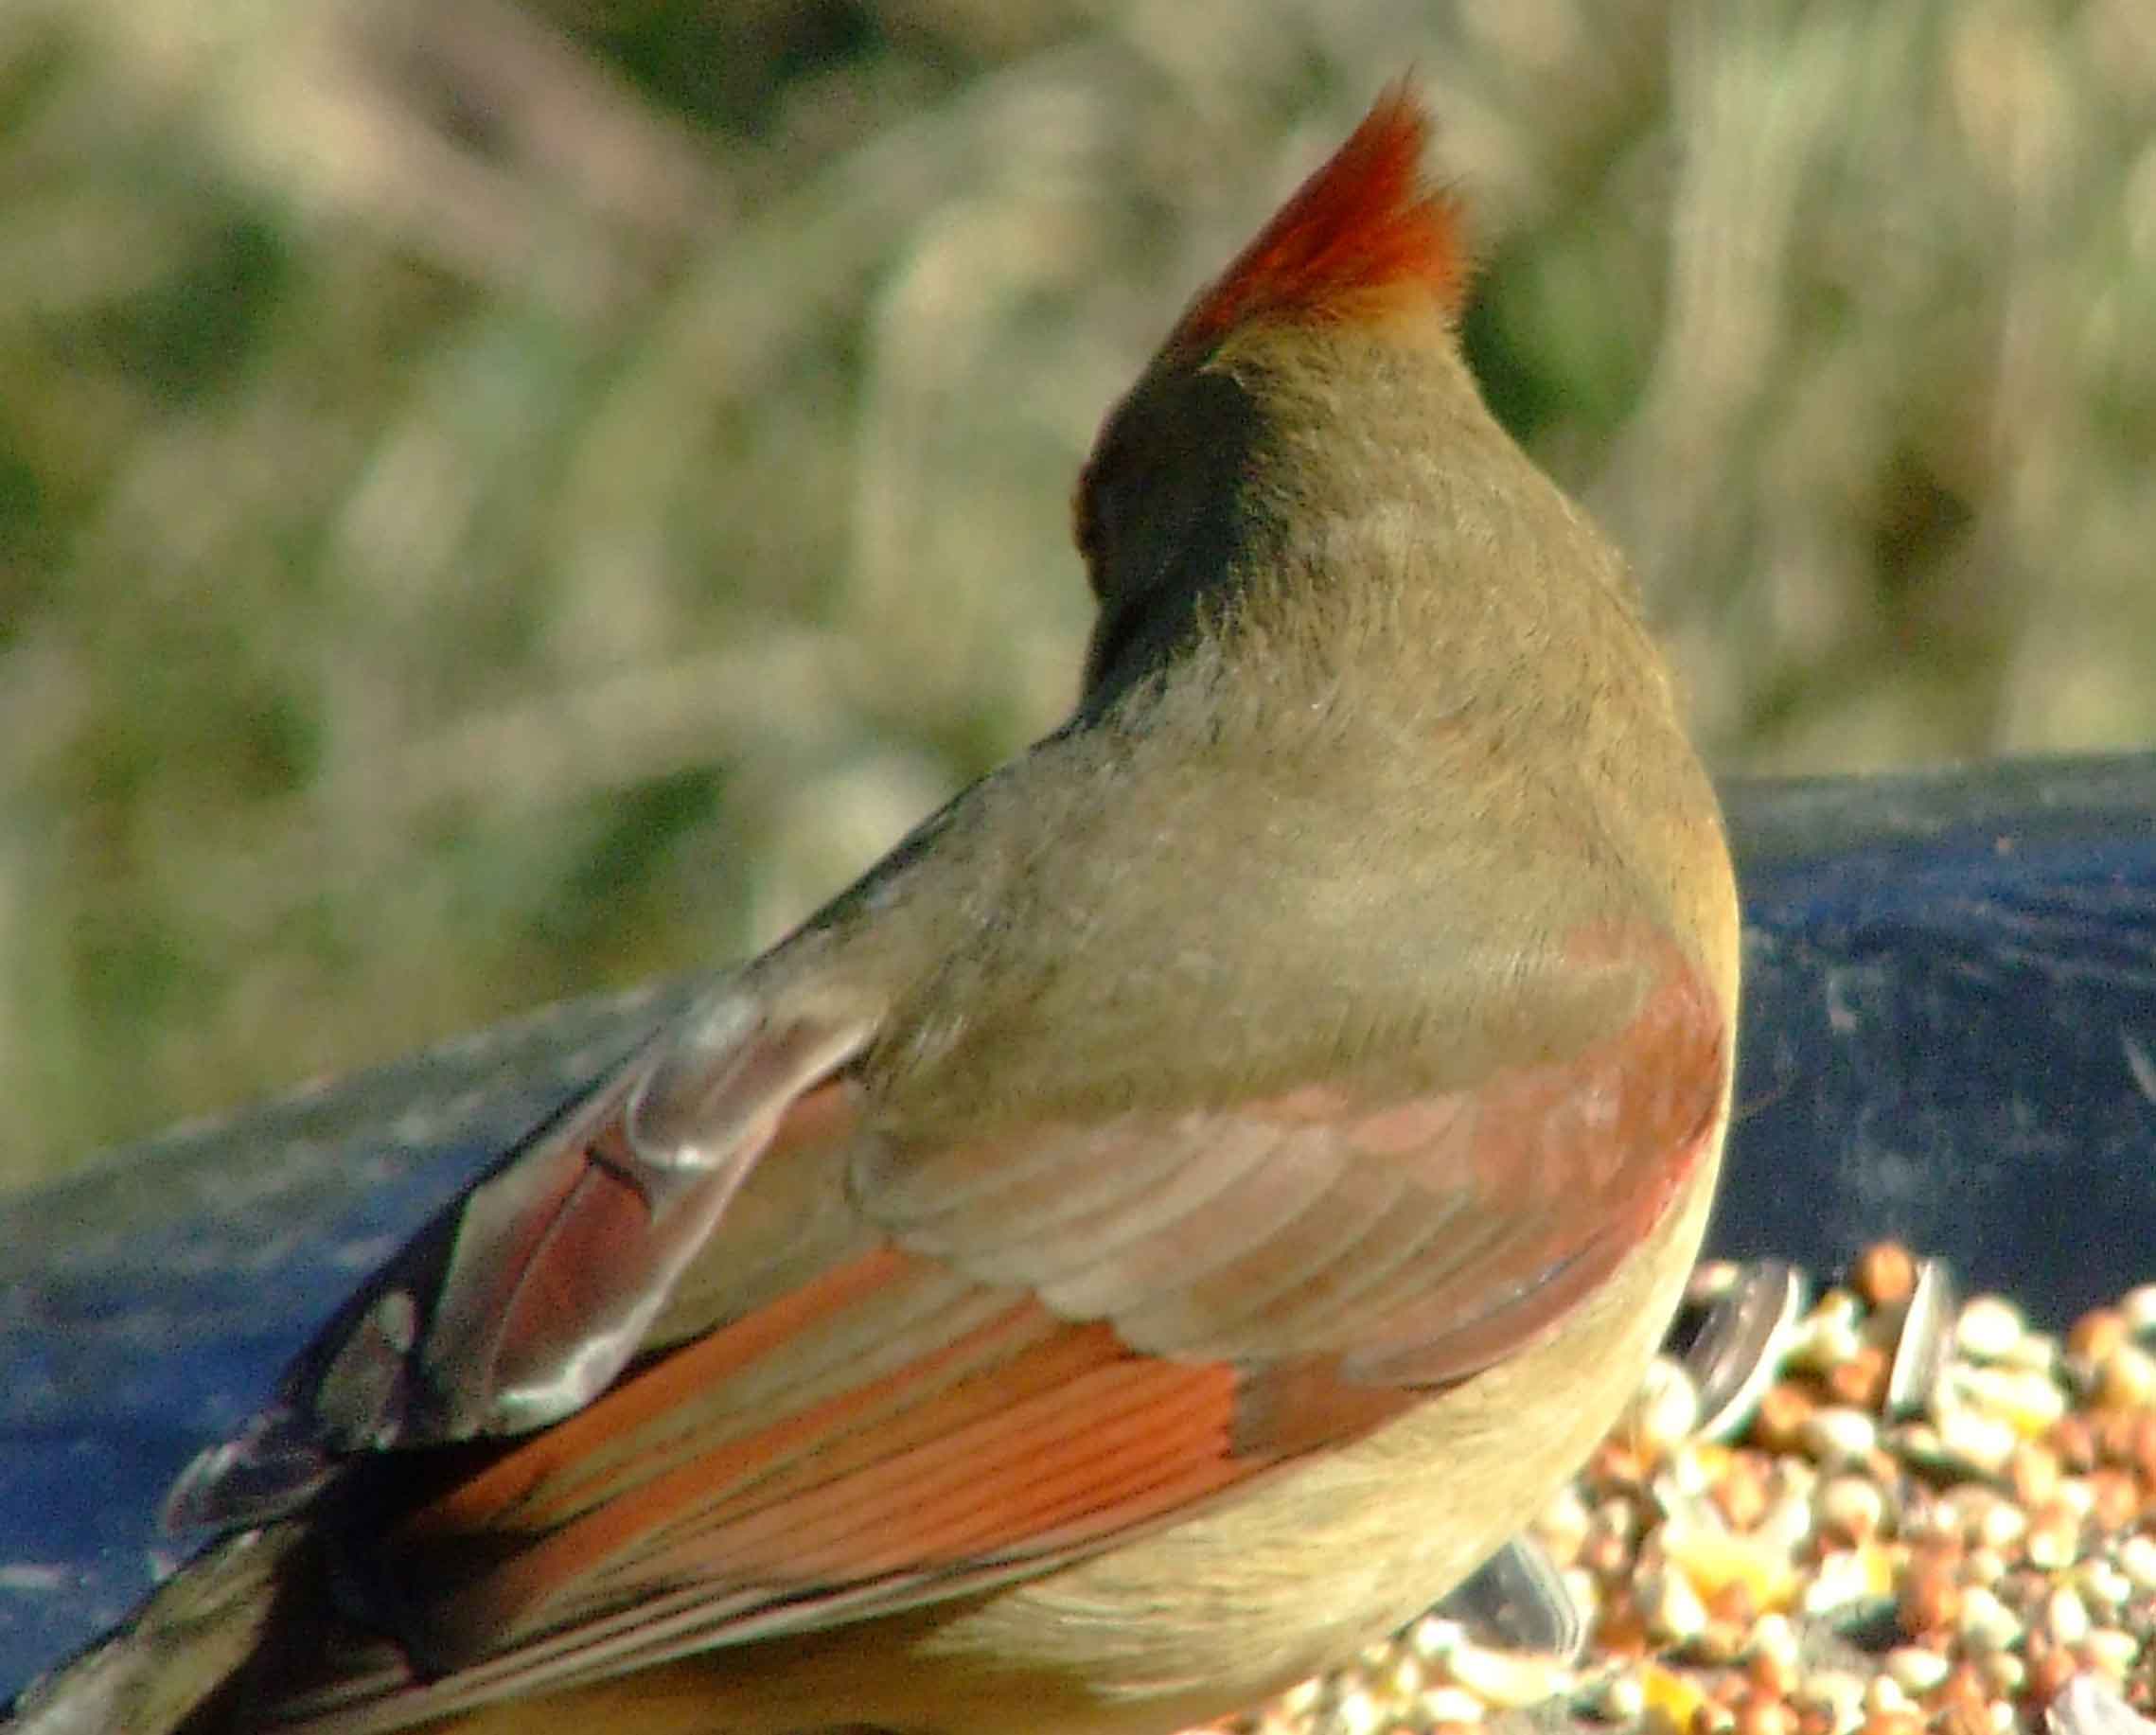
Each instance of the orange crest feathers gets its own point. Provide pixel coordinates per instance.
(1366, 222)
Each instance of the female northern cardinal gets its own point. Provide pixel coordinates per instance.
(1159, 1229)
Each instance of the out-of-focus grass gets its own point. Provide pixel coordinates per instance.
(496, 502)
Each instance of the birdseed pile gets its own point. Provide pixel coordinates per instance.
(1861, 1550)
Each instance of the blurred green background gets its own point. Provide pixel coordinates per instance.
(498, 501)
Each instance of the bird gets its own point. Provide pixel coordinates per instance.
(1157, 1230)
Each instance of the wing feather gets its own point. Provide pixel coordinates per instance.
(990, 1357)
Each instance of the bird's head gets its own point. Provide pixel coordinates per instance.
(1273, 371)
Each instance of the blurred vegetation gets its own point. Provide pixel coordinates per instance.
(500, 500)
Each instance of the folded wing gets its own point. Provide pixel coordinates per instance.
(889, 1373)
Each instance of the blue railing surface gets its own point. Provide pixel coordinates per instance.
(1949, 1036)
(1949, 1029)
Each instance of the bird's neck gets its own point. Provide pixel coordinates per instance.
(1382, 546)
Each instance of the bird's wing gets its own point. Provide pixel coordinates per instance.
(897, 1374)
(1412, 1236)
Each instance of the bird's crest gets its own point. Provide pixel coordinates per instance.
(1368, 223)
